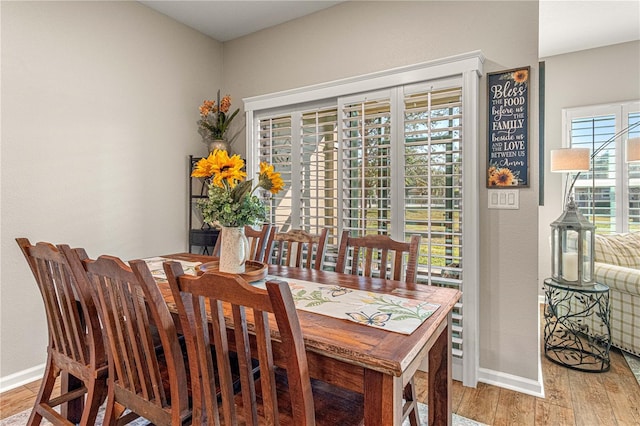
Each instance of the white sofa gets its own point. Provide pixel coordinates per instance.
(617, 264)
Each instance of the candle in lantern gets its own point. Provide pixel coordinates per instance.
(570, 266)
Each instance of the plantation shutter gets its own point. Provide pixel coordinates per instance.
(433, 188)
(597, 202)
(608, 194)
(319, 171)
(366, 165)
(275, 148)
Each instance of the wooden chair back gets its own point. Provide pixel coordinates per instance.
(258, 239)
(147, 379)
(299, 248)
(207, 306)
(75, 339)
(379, 255)
(387, 254)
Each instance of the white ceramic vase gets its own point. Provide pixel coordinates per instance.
(234, 248)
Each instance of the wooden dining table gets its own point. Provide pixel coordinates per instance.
(375, 362)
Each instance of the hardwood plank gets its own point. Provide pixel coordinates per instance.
(422, 394)
(551, 414)
(591, 404)
(515, 408)
(480, 403)
(35, 386)
(556, 383)
(457, 393)
(622, 390)
(16, 400)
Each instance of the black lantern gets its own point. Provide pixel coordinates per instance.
(572, 245)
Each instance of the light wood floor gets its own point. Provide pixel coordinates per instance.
(571, 398)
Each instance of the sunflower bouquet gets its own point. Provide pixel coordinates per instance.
(231, 200)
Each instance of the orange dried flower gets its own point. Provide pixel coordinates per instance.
(225, 104)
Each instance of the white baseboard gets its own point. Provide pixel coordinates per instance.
(515, 383)
(21, 378)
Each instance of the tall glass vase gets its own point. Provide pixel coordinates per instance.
(234, 249)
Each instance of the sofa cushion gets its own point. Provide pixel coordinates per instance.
(618, 249)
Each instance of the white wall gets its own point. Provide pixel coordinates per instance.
(356, 38)
(99, 109)
(589, 77)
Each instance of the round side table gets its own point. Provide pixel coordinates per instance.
(577, 333)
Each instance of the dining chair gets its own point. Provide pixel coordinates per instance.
(298, 248)
(75, 346)
(145, 380)
(380, 255)
(258, 239)
(215, 307)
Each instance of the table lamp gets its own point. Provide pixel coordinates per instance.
(633, 150)
(572, 235)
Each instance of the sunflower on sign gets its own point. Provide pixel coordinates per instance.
(501, 176)
(231, 201)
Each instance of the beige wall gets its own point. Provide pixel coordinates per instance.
(356, 38)
(99, 104)
(99, 109)
(589, 77)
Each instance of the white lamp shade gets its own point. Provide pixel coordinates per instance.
(633, 150)
(570, 160)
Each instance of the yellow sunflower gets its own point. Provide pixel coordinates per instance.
(503, 177)
(270, 179)
(521, 76)
(221, 168)
(203, 169)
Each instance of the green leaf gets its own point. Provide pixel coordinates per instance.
(241, 190)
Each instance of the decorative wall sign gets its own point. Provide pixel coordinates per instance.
(508, 128)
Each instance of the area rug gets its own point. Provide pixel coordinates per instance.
(634, 364)
(21, 418)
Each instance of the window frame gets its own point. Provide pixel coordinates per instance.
(621, 112)
(468, 68)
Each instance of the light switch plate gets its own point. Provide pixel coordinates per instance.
(504, 199)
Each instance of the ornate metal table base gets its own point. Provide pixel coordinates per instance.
(577, 333)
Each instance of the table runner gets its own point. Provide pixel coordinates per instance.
(384, 311)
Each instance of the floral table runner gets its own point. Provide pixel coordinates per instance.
(157, 270)
(384, 311)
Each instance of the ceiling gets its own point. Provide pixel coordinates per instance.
(226, 20)
(565, 26)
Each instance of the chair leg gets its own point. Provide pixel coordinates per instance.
(112, 413)
(44, 394)
(71, 410)
(96, 393)
(410, 408)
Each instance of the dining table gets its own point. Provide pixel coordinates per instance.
(373, 361)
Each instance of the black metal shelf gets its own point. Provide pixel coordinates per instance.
(200, 234)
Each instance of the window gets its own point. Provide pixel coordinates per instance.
(384, 153)
(609, 194)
